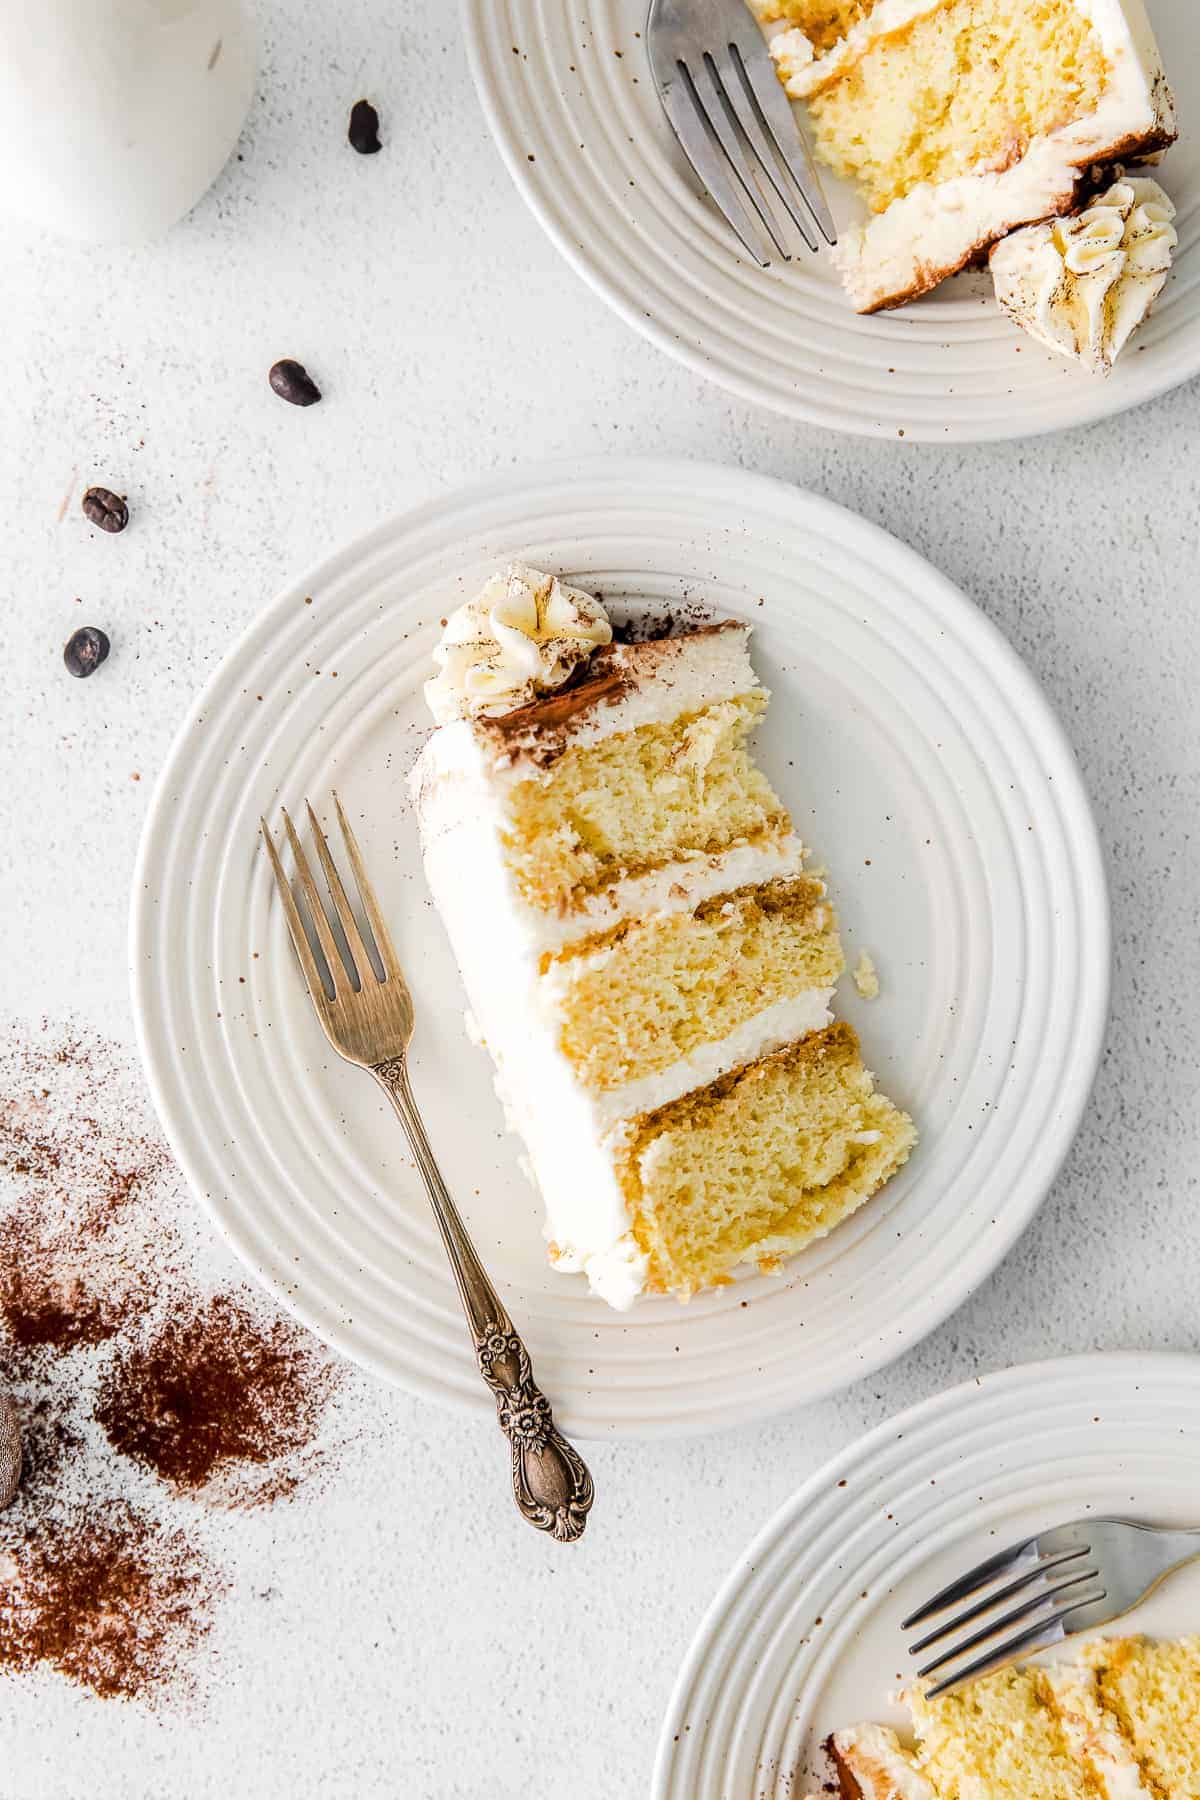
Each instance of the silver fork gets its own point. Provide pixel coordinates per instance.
(365, 1007)
(1070, 1579)
(726, 105)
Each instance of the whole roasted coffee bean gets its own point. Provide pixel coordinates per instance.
(364, 128)
(293, 383)
(85, 650)
(106, 509)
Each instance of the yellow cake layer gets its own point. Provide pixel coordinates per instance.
(823, 22)
(999, 1739)
(1120, 1718)
(649, 993)
(1153, 1690)
(962, 89)
(638, 800)
(771, 1156)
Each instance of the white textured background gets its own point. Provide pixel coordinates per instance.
(403, 1633)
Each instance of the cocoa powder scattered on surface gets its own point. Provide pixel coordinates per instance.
(106, 1597)
(212, 1388)
(122, 1361)
(74, 1262)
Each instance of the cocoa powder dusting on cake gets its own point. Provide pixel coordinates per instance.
(661, 620)
(214, 1388)
(120, 1360)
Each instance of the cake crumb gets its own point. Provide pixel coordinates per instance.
(866, 978)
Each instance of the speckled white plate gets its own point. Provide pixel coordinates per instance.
(569, 98)
(921, 763)
(805, 1636)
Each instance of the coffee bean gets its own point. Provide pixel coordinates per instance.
(292, 382)
(364, 128)
(85, 650)
(105, 509)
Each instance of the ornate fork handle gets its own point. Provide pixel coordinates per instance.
(551, 1483)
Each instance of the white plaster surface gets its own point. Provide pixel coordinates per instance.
(402, 1632)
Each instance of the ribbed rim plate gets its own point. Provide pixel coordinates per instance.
(921, 763)
(570, 101)
(805, 1637)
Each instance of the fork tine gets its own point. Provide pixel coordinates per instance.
(1038, 1637)
(295, 925)
(1026, 1608)
(739, 99)
(995, 1598)
(316, 907)
(708, 160)
(366, 893)
(767, 93)
(714, 105)
(1000, 1564)
(345, 912)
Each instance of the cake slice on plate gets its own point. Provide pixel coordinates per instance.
(1121, 1721)
(645, 955)
(960, 120)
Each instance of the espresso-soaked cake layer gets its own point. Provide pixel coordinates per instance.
(638, 999)
(638, 801)
(967, 86)
(760, 1162)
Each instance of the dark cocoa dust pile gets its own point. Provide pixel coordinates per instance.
(108, 1598)
(105, 1324)
(215, 1387)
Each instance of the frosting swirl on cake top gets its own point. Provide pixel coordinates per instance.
(1083, 285)
(523, 636)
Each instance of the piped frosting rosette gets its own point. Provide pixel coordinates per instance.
(1082, 285)
(523, 635)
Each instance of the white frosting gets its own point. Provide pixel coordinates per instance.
(883, 1769)
(937, 227)
(523, 635)
(1083, 285)
(698, 671)
(569, 1134)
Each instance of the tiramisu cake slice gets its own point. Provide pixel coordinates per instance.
(1121, 1721)
(960, 120)
(645, 956)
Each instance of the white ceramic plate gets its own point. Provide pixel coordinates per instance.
(921, 763)
(805, 1636)
(569, 98)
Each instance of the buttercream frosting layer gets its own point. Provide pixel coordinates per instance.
(1082, 285)
(523, 635)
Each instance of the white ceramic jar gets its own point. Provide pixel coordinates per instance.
(116, 115)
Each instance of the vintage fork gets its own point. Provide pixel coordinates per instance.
(1071, 1579)
(726, 105)
(365, 1007)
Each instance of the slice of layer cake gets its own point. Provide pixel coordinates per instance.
(960, 120)
(645, 956)
(1121, 1721)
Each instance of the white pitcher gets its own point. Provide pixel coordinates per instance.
(116, 115)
